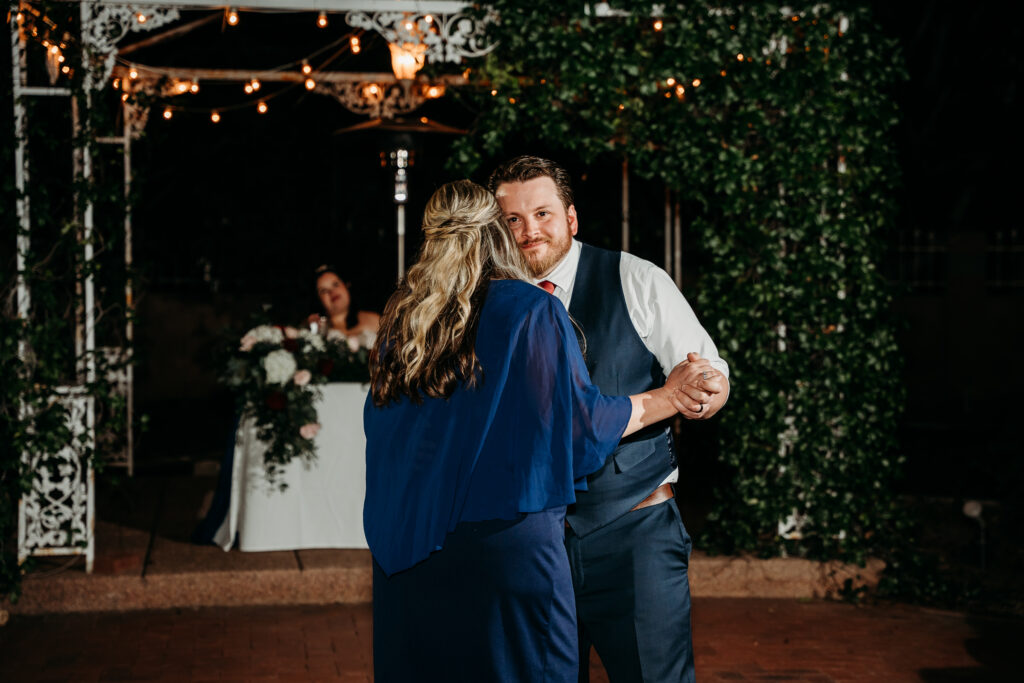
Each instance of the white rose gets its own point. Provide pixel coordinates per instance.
(265, 333)
(335, 335)
(368, 338)
(280, 366)
(313, 339)
(353, 344)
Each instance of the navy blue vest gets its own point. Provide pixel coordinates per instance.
(619, 365)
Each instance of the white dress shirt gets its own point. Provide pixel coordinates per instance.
(659, 312)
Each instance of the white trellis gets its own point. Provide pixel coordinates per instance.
(56, 517)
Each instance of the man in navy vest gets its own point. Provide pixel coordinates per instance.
(627, 545)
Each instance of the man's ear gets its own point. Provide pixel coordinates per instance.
(570, 214)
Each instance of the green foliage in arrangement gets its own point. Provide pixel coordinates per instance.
(773, 122)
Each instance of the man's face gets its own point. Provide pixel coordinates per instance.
(542, 227)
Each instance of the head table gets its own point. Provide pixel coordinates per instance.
(322, 506)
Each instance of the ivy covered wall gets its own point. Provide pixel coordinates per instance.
(773, 122)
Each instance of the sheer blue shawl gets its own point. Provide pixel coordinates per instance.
(517, 442)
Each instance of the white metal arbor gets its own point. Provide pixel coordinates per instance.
(57, 516)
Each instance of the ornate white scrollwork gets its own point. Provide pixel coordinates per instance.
(104, 25)
(377, 100)
(448, 37)
(55, 517)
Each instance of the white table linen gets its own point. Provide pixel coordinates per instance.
(323, 504)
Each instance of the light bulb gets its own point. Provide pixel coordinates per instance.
(306, 68)
(310, 84)
(194, 88)
(354, 42)
(248, 88)
(133, 74)
(141, 18)
(658, 25)
(215, 117)
(262, 107)
(670, 81)
(739, 57)
(181, 87)
(321, 20)
(255, 84)
(232, 16)
(696, 82)
(168, 113)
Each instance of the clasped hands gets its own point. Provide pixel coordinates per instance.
(697, 389)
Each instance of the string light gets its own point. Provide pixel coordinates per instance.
(66, 69)
(493, 93)
(739, 57)
(306, 68)
(168, 113)
(434, 91)
(54, 50)
(408, 26)
(181, 87)
(141, 18)
(232, 15)
(321, 20)
(696, 82)
(248, 88)
(680, 90)
(194, 88)
(429, 19)
(372, 89)
(670, 82)
(124, 97)
(261, 107)
(354, 42)
(20, 17)
(215, 117)
(255, 84)
(117, 83)
(658, 25)
(310, 84)
(133, 74)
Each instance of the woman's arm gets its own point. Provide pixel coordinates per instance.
(659, 404)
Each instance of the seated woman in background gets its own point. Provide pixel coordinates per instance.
(341, 313)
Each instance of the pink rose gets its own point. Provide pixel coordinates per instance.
(291, 333)
(302, 378)
(248, 341)
(308, 431)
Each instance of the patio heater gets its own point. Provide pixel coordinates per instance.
(401, 159)
(397, 142)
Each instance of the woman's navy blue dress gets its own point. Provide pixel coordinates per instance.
(465, 501)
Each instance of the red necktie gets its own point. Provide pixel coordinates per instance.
(547, 286)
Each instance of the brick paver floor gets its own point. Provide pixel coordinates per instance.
(736, 639)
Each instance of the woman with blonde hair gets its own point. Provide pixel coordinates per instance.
(481, 419)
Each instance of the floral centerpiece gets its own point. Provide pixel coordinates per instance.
(275, 373)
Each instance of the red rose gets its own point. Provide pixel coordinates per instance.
(291, 344)
(325, 366)
(276, 400)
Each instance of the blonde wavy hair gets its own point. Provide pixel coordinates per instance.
(428, 328)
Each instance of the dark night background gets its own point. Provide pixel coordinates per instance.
(233, 216)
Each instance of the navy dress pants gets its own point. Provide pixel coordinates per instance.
(495, 605)
(633, 596)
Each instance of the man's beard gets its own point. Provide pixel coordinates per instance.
(557, 248)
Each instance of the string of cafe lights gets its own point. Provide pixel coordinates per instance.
(350, 42)
(674, 87)
(55, 48)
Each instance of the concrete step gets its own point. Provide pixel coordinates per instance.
(182, 575)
